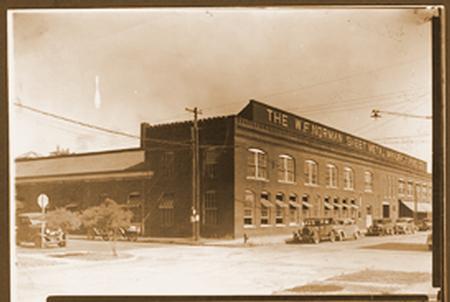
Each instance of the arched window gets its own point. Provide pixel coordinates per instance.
(332, 176)
(249, 206)
(348, 179)
(368, 181)
(256, 164)
(286, 168)
(311, 173)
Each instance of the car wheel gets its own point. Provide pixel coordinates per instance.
(62, 243)
(316, 238)
(38, 242)
(356, 235)
(340, 237)
(332, 237)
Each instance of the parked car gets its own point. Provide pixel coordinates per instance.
(346, 229)
(29, 231)
(424, 224)
(315, 230)
(405, 225)
(381, 227)
(430, 241)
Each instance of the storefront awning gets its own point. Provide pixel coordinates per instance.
(281, 204)
(354, 206)
(307, 204)
(422, 207)
(337, 206)
(327, 206)
(266, 203)
(295, 204)
(345, 206)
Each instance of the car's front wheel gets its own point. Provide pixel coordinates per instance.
(38, 242)
(316, 238)
(333, 236)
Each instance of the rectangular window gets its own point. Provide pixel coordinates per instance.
(249, 204)
(211, 163)
(210, 208)
(368, 181)
(264, 215)
(265, 210)
(293, 209)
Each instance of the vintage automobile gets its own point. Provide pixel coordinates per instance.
(381, 227)
(315, 230)
(346, 229)
(405, 225)
(424, 224)
(430, 242)
(31, 229)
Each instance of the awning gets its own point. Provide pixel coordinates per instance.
(266, 203)
(307, 204)
(328, 206)
(337, 206)
(354, 206)
(295, 204)
(281, 204)
(345, 206)
(422, 207)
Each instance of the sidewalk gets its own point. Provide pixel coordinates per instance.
(255, 241)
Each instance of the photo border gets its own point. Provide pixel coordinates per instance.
(441, 126)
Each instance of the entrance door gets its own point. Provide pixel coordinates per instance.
(386, 211)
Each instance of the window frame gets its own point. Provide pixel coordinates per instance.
(349, 179)
(311, 170)
(368, 181)
(332, 182)
(283, 169)
(257, 164)
(252, 208)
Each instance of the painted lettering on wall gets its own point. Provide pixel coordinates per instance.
(328, 134)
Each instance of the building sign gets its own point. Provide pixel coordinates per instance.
(268, 115)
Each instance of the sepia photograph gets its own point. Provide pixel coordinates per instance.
(221, 151)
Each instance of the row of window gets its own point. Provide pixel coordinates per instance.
(257, 169)
(288, 210)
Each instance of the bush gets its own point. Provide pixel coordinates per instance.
(64, 219)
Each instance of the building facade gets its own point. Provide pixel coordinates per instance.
(261, 172)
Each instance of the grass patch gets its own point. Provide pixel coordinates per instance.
(399, 246)
(384, 277)
(316, 288)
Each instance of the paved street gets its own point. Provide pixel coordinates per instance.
(393, 264)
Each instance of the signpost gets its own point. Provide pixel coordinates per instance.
(42, 201)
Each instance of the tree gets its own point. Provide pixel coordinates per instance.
(109, 217)
(64, 219)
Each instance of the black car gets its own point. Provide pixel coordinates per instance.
(424, 224)
(315, 230)
(31, 229)
(381, 227)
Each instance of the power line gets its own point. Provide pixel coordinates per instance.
(69, 120)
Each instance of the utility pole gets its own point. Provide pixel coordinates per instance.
(195, 216)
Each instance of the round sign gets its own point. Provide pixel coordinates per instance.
(42, 201)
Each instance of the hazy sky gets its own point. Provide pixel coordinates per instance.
(333, 66)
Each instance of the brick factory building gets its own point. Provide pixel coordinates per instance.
(262, 172)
